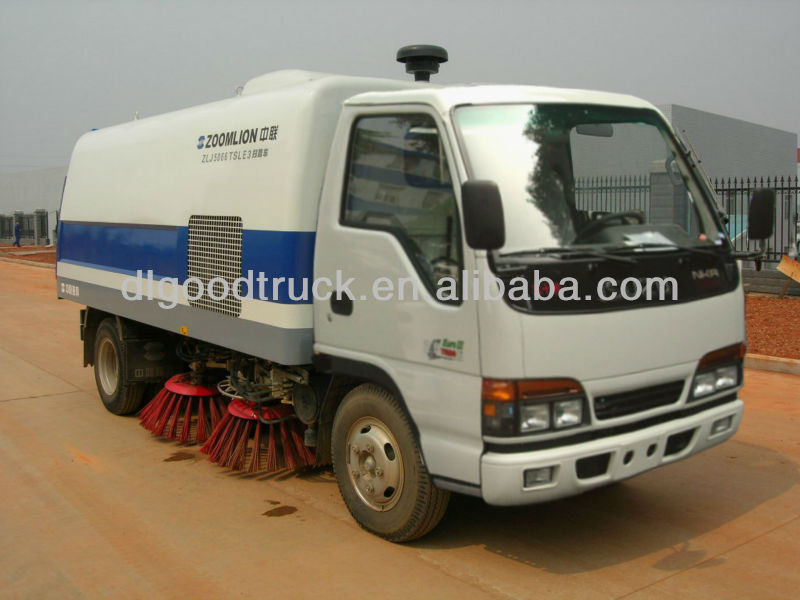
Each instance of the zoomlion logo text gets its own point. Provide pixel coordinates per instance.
(268, 133)
(444, 348)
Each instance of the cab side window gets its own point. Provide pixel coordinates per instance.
(399, 181)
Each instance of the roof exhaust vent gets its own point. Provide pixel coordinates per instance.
(422, 60)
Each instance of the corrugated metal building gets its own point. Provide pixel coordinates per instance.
(731, 147)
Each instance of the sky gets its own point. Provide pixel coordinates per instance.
(67, 66)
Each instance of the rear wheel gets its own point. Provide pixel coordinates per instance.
(379, 467)
(119, 396)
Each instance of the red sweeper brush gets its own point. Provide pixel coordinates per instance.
(243, 441)
(183, 410)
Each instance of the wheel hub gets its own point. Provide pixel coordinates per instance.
(108, 366)
(374, 463)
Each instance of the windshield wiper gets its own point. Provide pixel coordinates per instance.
(670, 246)
(572, 252)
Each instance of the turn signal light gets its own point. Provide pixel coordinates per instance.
(497, 390)
(506, 390)
(727, 355)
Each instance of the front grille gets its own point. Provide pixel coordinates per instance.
(215, 251)
(628, 403)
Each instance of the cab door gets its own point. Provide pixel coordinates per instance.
(390, 221)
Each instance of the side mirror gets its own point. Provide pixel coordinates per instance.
(761, 215)
(483, 215)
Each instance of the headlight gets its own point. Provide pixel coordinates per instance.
(518, 407)
(534, 417)
(704, 385)
(715, 380)
(568, 413)
(718, 370)
(726, 377)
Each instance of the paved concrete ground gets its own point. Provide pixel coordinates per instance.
(92, 506)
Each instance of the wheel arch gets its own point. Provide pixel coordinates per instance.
(346, 375)
(144, 348)
(90, 321)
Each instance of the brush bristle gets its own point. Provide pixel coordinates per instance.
(186, 419)
(247, 444)
(273, 461)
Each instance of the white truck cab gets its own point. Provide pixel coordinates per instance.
(515, 322)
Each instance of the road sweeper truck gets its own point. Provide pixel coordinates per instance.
(516, 293)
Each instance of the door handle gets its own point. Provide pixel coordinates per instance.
(342, 306)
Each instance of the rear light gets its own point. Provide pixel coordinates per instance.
(519, 407)
(718, 371)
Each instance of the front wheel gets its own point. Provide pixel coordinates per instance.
(119, 396)
(379, 467)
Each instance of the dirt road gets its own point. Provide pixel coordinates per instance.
(92, 506)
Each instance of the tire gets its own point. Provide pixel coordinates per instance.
(118, 395)
(392, 494)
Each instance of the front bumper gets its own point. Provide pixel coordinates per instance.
(502, 475)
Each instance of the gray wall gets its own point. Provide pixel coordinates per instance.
(733, 148)
(29, 190)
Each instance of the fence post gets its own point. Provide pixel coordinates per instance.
(54, 239)
(39, 226)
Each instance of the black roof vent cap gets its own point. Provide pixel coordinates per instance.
(422, 60)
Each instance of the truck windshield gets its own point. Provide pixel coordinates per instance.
(583, 176)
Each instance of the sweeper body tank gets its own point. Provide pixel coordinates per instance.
(409, 282)
(214, 191)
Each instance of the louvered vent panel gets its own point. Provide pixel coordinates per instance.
(215, 250)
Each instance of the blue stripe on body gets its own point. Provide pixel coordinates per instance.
(123, 249)
(288, 254)
(127, 249)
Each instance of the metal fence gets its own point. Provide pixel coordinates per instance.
(734, 197)
(613, 194)
(37, 227)
(616, 194)
(6, 226)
